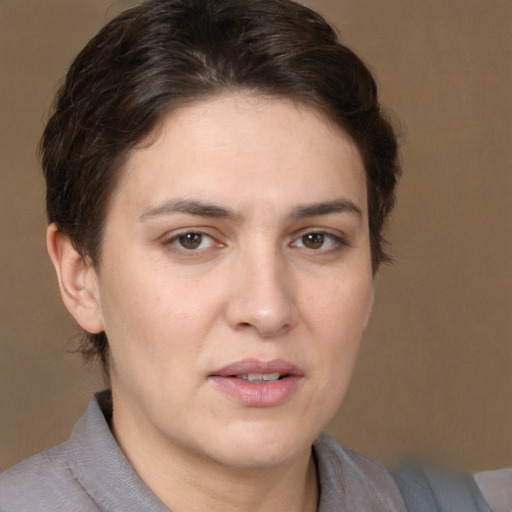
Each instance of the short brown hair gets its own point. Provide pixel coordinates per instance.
(157, 56)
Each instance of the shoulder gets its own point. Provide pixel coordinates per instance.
(353, 480)
(496, 487)
(43, 482)
(426, 488)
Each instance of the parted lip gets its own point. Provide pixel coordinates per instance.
(246, 366)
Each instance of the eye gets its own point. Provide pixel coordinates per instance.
(191, 241)
(319, 241)
(313, 240)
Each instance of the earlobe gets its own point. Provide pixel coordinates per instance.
(78, 281)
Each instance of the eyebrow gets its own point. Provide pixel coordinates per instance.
(187, 206)
(203, 209)
(325, 208)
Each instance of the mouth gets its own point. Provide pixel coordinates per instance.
(255, 383)
(261, 377)
(253, 370)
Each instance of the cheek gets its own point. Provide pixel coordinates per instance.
(154, 318)
(339, 316)
(341, 305)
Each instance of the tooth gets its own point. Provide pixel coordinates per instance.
(259, 377)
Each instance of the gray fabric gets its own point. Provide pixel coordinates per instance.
(352, 482)
(429, 489)
(89, 473)
(496, 487)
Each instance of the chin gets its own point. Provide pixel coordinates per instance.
(261, 446)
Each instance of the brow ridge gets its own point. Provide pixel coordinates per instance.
(325, 208)
(203, 209)
(187, 206)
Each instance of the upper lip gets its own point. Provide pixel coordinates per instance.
(247, 366)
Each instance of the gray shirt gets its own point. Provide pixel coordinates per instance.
(496, 487)
(89, 473)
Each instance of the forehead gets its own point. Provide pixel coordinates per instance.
(244, 148)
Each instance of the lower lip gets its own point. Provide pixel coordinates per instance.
(258, 394)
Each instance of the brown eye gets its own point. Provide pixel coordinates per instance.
(321, 242)
(313, 240)
(190, 241)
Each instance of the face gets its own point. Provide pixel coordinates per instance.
(235, 280)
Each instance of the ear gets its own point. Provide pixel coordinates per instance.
(78, 281)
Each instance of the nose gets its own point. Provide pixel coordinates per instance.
(262, 296)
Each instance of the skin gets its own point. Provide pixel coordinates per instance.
(273, 277)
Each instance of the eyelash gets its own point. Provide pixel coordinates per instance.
(335, 242)
(175, 242)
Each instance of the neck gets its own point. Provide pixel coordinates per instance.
(187, 482)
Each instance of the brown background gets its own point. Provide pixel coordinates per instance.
(434, 377)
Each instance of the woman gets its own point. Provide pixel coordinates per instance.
(218, 176)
